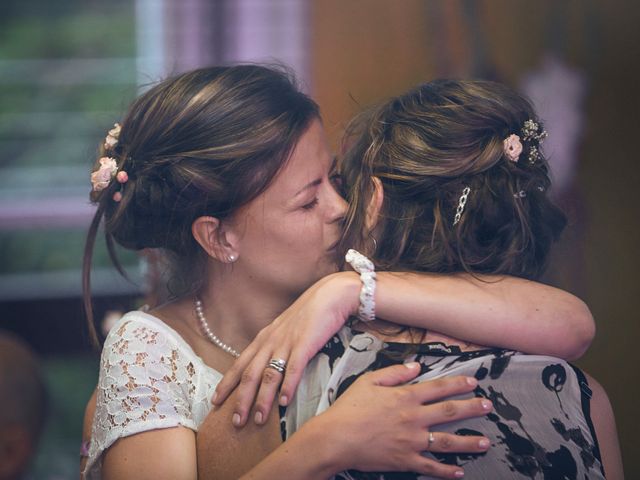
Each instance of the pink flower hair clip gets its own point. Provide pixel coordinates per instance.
(113, 135)
(512, 147)
(101, 178)
(108, 170)
(533, 134)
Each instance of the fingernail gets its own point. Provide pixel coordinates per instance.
(472, 381)
(458, 474)
(486, 404)
(236, 419)
(484, 443)
(412, 365)
(258, 418)
(213, 398)
(283, 400)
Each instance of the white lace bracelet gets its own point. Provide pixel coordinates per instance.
(366, 269)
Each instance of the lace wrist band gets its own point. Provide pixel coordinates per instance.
(366, 269)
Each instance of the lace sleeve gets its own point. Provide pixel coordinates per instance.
(146, 382)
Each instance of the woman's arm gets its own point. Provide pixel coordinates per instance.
(498, 311)
(375, 425)
(505, 312)
(604, 423)
(165, 453)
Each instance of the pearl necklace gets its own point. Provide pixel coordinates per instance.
(207, 331)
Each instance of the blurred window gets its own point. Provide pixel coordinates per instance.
(67, 72)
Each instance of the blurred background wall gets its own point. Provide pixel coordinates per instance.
(69, 68)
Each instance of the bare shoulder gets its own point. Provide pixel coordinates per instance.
(161, 453)
(604, 423)
(225, 451)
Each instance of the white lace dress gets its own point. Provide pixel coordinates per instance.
(150, 378)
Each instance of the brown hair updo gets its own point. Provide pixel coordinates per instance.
(204, 142)
(426, 146)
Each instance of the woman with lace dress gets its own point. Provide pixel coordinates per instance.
(452, 179)
(226, 170)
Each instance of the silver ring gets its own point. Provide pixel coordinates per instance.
(432, 439)
(279, 361)
(277, 364)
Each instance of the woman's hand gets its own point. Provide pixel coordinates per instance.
(295, 336)
(377, 425)
(388, 427)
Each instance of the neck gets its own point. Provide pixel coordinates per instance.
(237, 308)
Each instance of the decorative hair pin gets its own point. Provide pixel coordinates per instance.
(531, 132)
(461, 204)
(108, 170)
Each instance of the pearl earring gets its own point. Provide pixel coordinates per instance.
(232, 258)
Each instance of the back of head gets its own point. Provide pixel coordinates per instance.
(23, 405)
(429, 145)
(205, 142)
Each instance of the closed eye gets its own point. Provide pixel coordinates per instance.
(311, 204)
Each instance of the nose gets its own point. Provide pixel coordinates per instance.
(339, 206)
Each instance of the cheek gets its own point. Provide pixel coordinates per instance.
(283, 233)
(304, 235)
(297, 236)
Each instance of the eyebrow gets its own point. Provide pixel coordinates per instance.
(318, 181)
(315, 183)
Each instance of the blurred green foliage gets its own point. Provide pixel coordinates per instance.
(59, 249)
(70, 382)
(67, 73)
(66, 28)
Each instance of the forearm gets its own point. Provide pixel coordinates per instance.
(293, 459)
(498, 311)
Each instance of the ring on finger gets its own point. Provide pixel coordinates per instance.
(277, 364)
(432, 438)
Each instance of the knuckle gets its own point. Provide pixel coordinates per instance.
(403, 396)
(448, 408)
(446, 443)
(247, 377)
(270, 376)
(405, 418)
(441, 383)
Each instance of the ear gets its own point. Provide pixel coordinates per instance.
(214, 239)
(375, 204)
